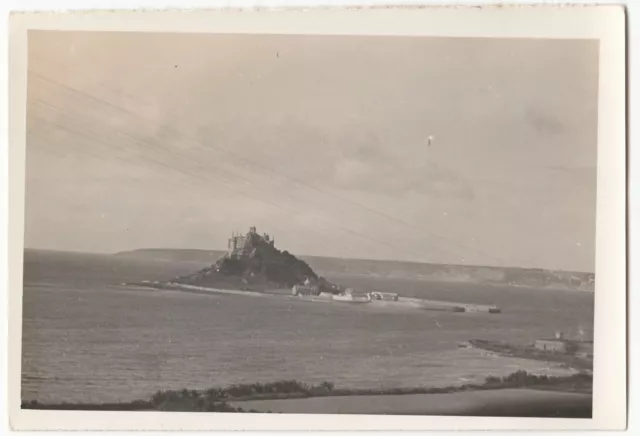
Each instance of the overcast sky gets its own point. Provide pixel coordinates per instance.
(164, 140)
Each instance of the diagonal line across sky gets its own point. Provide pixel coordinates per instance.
(465, 249)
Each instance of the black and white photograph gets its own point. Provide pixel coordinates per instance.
(319, 224)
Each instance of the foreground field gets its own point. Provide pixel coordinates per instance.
(503, 402)
(519, 394)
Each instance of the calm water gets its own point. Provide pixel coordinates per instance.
(85, 338)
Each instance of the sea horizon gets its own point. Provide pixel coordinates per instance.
(302, 256)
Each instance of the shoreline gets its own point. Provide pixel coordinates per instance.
(404, 302)
(220, 400)
(139, 253)
(504, 349)
(449, 280)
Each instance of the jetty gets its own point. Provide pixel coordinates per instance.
(448, 306)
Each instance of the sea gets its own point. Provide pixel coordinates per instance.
(87, 338)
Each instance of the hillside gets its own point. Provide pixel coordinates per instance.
(261, 267)
(328, 266)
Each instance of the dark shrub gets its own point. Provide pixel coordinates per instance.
(492, 380)
(328, 385)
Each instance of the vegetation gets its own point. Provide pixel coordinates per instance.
(581, 381)
(529, 352)
(266, 267)
(217, 399)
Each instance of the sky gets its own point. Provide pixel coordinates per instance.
(447, 150)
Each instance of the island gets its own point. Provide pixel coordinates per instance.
(252, 266)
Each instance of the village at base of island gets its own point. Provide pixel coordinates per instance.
(313, 292)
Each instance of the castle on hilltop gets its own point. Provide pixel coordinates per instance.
(243, 246)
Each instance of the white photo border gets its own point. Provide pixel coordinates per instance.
(605, 23)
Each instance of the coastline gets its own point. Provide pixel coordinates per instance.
(404, 302)
(548, 279)
(504, 349)
(231, 399)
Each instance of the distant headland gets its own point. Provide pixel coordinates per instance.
(258, 253)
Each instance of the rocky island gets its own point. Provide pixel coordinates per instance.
(253, 266)
(253, 263)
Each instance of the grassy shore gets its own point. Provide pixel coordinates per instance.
(529, 352)
(219, 399)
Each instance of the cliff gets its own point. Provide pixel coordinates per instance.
(535, 278)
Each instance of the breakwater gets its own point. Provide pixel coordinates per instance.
(439, 305)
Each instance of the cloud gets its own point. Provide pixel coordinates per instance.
(370, 168)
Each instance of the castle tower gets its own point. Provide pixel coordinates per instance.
(233, 244)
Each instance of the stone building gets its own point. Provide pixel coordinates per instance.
(556, 345)
(242, 246)
(559, 344)
(306, 289)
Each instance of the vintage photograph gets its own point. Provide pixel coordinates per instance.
(310, 224)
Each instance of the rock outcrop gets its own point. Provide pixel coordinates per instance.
(261, 266)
